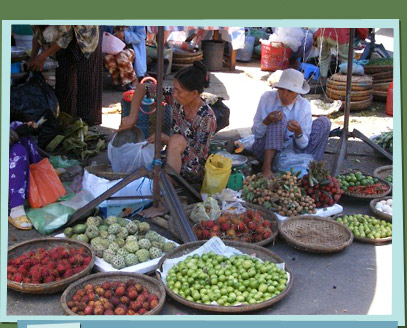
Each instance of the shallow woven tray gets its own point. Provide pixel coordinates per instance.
(186, 54)
(354, 94)
(372, 69)
(383, 171)
(47, 243)
(381, 86)
(382, 75)
(342, 96)
(153, 286)
(266, 214)
(361, 85)
(378, 213)
(356, 105)
(354, 87)
(315, 234)
(250, 249)
(186, 60)
(378, 242)
(355, 78)
(105, 171)
(360, 197)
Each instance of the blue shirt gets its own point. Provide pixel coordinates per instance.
(299, 111)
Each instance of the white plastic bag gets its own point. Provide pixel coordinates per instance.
(208, 210)
(130, 156)
(111, 45)
(285, 161)
(233, 208)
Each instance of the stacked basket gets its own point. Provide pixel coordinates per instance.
(361, 90)
(182, 58)
(382, 75)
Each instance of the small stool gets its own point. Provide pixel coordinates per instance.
(309, 69)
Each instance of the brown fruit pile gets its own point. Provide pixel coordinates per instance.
(324, 189)
(113, 298)
(281, 194)
(249, 227)
(46, 266)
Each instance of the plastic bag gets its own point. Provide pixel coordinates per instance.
(208, 210)
(60, 162)
(286, 161)
(228, 195)
(357, 69)
(111, 44)
(45, 185)
(49, 218)
(217, 172)
(35, 98)
(233, 208)
(130, 156)
(290, 36)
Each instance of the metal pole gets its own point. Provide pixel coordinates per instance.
(159, 117)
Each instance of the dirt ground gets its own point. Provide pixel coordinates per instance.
(355, 281)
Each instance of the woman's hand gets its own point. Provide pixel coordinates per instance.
(273, 117)
(164, 138)
(295, 127)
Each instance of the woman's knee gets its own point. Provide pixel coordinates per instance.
(177, 143)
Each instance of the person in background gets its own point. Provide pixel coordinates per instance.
(135, 52)
(283, 124)
(337, 38)
(22, 153)
(79, 79)
(194, 122)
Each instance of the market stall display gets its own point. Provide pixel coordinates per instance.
(261, 277)
(382, 208)
(281, 194)
(47, 265)
(315, 234)
(367, 229)
(362, 186)
(115, 293)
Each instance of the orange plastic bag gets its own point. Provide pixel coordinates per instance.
(45, 185)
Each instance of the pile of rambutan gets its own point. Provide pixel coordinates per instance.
(113, 298)
(48, 265)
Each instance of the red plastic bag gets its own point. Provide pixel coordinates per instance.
(389, 101)
(274, 56)
(45, 185)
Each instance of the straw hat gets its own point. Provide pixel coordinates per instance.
(294, 81)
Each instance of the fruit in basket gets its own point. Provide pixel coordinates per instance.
(92, 231)
(114, 229)
(143, 227)
(94, 220)
(132, 228)
(118, 262)
(143, 255)
(115, 298)
(131, 259)
(83, 237)
(79, 228)
(110, 220)
(361, 184)
(155, 252)
(168, 246)
(320, 186)
(46, 266)
(282, 194)
(365, 226)
(389, 178)
(385, 206)
(228, 281)
(68, 232)
(144, 243)
(131, 246)
(108, 255)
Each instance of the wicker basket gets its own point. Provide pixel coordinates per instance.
(367, 197)
(378, 213)
(373, 69)
(364, 79)
(47, 243)
(266, 214)
(341, 95)
(315, 234)
(253, 250)
(342, 86)
(152, 285)
(378, 242)
(382, 172)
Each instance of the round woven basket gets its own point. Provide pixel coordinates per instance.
(355, 78)
(378, 242)
(341, 95)
(315, 234)
(48, 243)
(356, 105)
(152, 285)
(250, 249)
(382, 75)
(186, 60)
(378, 213)
(367, 197)
(105, 171)
(372, 69)
(354, 94)
(342, 87)
(382, 172)
(381, 86)
(178, 53)
(266, 214)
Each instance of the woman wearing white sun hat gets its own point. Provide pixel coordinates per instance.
(283, 126)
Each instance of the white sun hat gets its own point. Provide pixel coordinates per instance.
(293, 80)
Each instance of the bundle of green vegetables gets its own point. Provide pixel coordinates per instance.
(385, 140)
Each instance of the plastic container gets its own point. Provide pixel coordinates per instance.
(15, 68)
(245, 54)
(274, 56)
(24, 41)
(389, 101)
(213, 54)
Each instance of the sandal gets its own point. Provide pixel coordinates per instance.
(21, 222)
